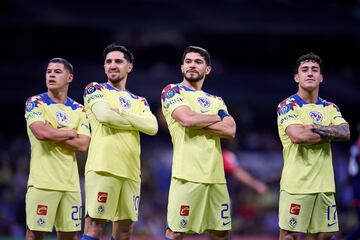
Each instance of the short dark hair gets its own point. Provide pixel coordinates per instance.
(203, 52)
(67, 65)
(308, 57)
(115, 47)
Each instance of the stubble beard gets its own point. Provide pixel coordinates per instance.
(194, 79)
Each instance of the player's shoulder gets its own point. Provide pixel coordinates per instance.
(287, 104)
(94, 86)
(326, 103)
(138, 98)
(34, 101)
(74, 105)
(170, 90)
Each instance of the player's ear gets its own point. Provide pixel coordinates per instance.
(182, 67)
(70, 78)
(296, 78)
(321, 78)
(207, 70)
(130, 67)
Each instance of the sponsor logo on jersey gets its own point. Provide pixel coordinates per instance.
(184, 210)
(102, 197)
(288, 118)
(173, 101)
(62, 117)
(292, 222)
(94, 97)
(204, 102)
(316, 116)
(295, 209)
(42, 210)
(124, 102)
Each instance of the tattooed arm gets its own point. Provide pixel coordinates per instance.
(334, 133)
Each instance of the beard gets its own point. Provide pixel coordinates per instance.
(116, 79)
(193, 77)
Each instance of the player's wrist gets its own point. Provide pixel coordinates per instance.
(222, 114)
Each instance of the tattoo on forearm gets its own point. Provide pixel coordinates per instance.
(334, 133)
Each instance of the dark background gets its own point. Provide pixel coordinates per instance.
(254, 46)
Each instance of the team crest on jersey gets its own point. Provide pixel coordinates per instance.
(41, 221)
(204, 102)
(292, 222)
(30, 106)
(62, 117)
(101, 209)
(183, 223)
(124, 102)
(316, 116)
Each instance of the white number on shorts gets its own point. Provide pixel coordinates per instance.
(136, 200)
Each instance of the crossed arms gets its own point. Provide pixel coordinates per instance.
(124, 120)
(213, 124)
(67, 138)
(313, 134)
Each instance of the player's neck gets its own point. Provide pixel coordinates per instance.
(59, 96)
(308, 96)
(120, 85)
(193, 85)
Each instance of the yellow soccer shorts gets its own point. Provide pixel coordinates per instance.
(44, 208)
(308, 213)
(197, 207)
(111, 197)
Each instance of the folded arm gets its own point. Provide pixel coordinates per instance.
(334, 133)
(43, 131)
(109, 117)
(303, 134)
(144, 123)
(190, 119)
(79, 143)
(225, 128)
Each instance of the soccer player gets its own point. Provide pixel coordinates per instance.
(198, 197)
(307, 125)
(112, 171)
(57, 127)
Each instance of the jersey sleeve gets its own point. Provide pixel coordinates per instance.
(94, 93)
(287, 115)
(336, 117)
(33, 110)
(222, 105)
(171, 98)
(84, 126)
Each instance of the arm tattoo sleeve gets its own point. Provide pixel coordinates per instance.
(334, 133)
